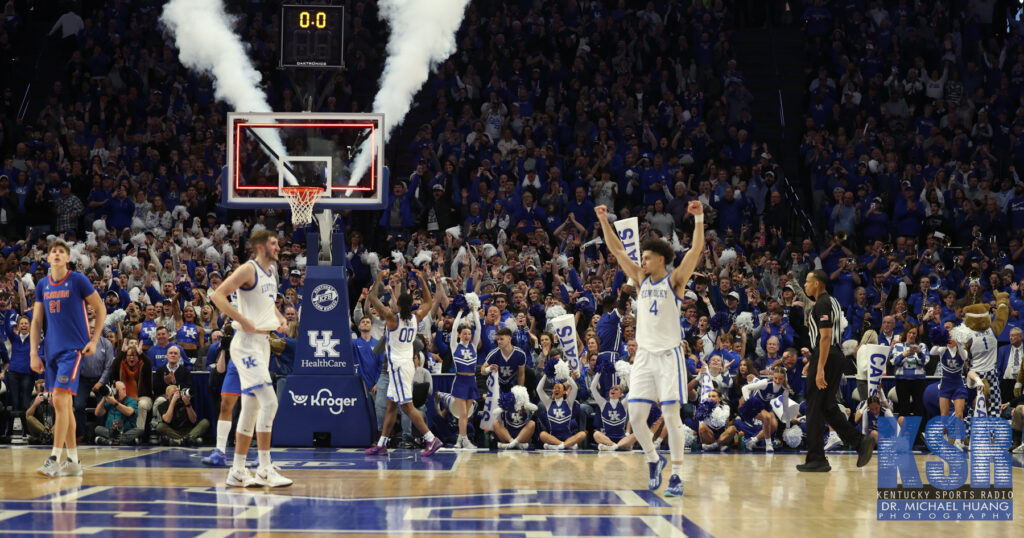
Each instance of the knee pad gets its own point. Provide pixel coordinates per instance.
(247, 417)
(267, 399)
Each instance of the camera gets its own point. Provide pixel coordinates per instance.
(186, 392)
(106, 390)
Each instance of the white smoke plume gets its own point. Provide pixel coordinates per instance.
(207, 44)
(422, 36)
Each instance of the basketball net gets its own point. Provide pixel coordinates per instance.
(302, 200)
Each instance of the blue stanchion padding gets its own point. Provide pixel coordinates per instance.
(324, 343)
(338, 405)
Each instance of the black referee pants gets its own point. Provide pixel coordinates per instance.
(822, 408)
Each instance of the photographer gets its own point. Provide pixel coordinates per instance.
(121, 411)
(94, 374)
(40, 416)
(178, 420)
(174, 372)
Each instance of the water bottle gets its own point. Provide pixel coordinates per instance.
(741, 441)
(18, 432)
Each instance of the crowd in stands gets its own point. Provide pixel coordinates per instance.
(913, 138)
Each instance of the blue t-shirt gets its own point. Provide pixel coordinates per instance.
(370, 363)
(63, 304)
(508, 368)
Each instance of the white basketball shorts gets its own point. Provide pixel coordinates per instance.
(250, 353)
(658, 377)
(400, 384)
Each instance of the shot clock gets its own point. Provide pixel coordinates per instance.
(312, 36)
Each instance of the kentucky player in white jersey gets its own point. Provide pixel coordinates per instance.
(253, 320)
(659, 371)
(400, 333)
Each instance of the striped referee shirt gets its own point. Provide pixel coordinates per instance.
(825, 315)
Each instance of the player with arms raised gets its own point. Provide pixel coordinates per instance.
(253, 320)
(60, 300)
(401, 331)
(659, 369)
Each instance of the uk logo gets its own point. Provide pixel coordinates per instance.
(323, 345)
(324, 297)
(249, 362)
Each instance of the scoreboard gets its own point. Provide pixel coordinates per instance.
(312, 36)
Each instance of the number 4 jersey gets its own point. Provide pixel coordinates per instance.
(657, 317)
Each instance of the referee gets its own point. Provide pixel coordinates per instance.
(823, 375)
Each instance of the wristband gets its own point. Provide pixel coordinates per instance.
(1018, 385)
(699, 219)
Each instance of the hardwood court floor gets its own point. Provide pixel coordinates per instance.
(167, 492)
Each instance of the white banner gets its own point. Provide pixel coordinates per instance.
(629, 233)
(565, 331)
(785, 409)
(491, 405)
(873, 357)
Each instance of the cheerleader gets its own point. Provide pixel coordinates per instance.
(873, 409)
(718, 375)
(755, 407)
(448, 417)
(712, 415)
(560, 408)
(908, 356)
(951, 386)
(464, 342)
(516, 427)
(613, 434)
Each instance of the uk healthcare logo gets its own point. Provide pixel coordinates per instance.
(947, 497)
(323, 345)
(323, 398)
(324, 298)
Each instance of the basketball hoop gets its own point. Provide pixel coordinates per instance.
(301, 200)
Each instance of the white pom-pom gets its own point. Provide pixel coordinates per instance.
(718, 417)
(90, 240)
(237, 227)
(100, 227)
(849, 347)
(874, 166)
(962, 334)
(622, 371)
(159, 232)
(522, 397)
(221, 232)
(688, 436)
(554, 312)
(843, 323)
(455, 232)
(562, 261)
(213, 255)
(371, 259)
(137, 224)
(793, 436)
(562, 371)
(179, 212)
(104, 262)
(27, 282)
(196, 228)
(727, 256)
(134, 294)
(204, 244)
(130, 263)
(745, 321)
(138, 239)
(676, 245)
(510, 324)
(257, 227)
(398, 258)
(473, 300)
(460, 256)
(51, 238)
(489, 250)
(191, 242)
(422, 257)
(114, 318)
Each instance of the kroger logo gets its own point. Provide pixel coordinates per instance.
(324, 297)
(323, 398)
